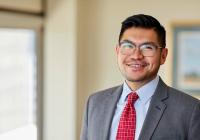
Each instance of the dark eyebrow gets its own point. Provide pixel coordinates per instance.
(127, 41)
(149, 43)
(145, 43)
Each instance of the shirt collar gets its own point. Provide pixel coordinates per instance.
(145, 92)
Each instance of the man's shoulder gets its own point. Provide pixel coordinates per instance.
(100, 97)
(105, 92)
(182, 97)
(175, 94)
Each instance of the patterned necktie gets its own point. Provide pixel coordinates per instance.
(127, 123)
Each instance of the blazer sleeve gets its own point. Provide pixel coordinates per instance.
(84, 128)
(194, 129)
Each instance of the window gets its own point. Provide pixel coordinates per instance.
(18, 90)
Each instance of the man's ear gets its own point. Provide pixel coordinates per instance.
(117, 49)
(163, 55)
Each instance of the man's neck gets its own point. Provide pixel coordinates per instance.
(135, 85)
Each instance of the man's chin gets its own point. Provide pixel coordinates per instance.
(135, 79)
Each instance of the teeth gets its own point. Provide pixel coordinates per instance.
(135, 65)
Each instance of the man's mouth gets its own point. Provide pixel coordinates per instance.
(137, 66)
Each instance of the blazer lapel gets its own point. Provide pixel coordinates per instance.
(109, 110)
(155, 111)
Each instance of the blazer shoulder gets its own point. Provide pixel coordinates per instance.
(185, 98)
(101, 97)
(106, 92)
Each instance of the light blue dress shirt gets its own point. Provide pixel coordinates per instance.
(141, 106)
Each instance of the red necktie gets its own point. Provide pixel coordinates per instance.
(127, 123)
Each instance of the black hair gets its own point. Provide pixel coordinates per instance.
(144, 21)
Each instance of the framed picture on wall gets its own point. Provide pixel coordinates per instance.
(186, 57)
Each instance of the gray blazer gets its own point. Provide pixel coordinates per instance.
(172, 115)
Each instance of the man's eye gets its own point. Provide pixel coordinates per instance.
(147, 47)
(127, 46)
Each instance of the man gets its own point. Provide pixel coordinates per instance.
(144, 107)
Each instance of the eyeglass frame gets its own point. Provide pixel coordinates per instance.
(132, 50)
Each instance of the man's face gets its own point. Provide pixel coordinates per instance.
(136, 67)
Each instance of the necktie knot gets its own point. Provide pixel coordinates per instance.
(132, 97)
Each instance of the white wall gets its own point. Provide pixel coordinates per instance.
(60, 70)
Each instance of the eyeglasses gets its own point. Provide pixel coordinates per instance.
(147, 49)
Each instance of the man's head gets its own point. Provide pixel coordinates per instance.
(141, 49)
(147, 22)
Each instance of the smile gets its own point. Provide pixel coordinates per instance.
(137, 66)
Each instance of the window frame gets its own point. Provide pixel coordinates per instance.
(32, 22)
